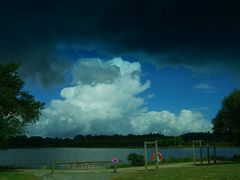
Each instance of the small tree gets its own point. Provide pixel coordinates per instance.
(17, 107)
(136, 159)
(226, 124)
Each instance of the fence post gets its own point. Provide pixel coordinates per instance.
(201, 155)
(156, 153)
(194, 155)
(214, 152)
(53, 166)
(208, 152)
(115, 168)
(145, 154)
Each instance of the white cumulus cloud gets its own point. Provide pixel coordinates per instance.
(167, 123)
(105, 100)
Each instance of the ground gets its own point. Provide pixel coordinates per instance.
(177, 171)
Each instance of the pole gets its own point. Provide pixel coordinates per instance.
(201, 155)
(53, 167)
(194, 155)
(156, 154)
(208, 152)
(145, 154)
(214, 152)
(115, 168)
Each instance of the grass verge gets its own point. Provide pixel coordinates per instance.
(221, 171)
(14, 175)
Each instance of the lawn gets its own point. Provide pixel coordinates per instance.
(12, 175)
(221, 171)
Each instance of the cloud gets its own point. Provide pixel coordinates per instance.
(168, 123)
(110, 107)
(93, 71)
(205, 87)
(39, 67)
(201, 35)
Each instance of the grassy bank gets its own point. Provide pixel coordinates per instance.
(12, 175)
(221, 171)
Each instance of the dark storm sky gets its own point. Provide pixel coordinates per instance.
(202, 35)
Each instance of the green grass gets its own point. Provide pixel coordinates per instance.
(216, 172)
(12, 175)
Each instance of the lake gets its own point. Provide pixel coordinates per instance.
(39, 157)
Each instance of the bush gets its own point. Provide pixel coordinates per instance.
(223, 158)
(136, 159)
(236, 157)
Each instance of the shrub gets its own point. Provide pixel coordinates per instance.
(236, 157)
(223, 158)
(136, 159)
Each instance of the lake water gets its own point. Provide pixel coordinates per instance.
(39, 157)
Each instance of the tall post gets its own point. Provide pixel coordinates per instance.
(156, 154)
(200, 148)
(53, 167)
(208, 153)
(115, 168)
(145, 154)
(214, 152)
(194, 155)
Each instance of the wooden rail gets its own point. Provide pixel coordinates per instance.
(85, 164)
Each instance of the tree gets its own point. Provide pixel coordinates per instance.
(226, 124)
(17, 107)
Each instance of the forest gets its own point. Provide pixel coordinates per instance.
(112, 141)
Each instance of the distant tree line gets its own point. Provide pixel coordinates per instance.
(113, 141)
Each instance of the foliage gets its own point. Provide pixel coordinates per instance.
(227, 121)
(197, 136)
(114, 141)
(236, 157)
(17, 107)
(136, 159)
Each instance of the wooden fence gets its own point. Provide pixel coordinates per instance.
(84, 164)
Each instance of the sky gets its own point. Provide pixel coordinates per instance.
(121, 67)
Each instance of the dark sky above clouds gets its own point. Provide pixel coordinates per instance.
(202, 35)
